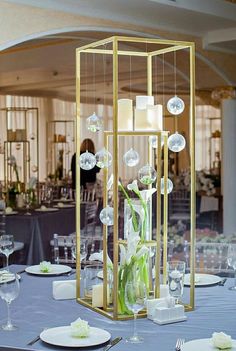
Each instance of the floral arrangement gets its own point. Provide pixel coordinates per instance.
(12, 162)
(203, 182)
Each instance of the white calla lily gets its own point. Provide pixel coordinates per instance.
(110, 182)
(147, 194)
(141, 252)
(98, 256)
(133, 186)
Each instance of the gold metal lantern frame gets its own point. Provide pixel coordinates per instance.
(116, 47)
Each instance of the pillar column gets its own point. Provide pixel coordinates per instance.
(227, 96)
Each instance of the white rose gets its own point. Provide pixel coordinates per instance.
(60, 204)
(45, 266)
(80, 328)
(8, 210)
(43, 208)
(221, 341)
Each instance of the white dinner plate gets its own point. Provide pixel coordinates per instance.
(63, 200)
(47, 209)
(203, 345)
(56, 269)
(64, 206)
(202, 279)
(11, 213)
(61, 336)
(6, 277)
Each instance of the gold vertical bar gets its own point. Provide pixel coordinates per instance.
(158, 218)
(77, 170)
(149, 75)
(192, 169)
(115, 173)
(105, 173)
(165, 215)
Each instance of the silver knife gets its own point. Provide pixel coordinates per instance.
(112, 343)
(32, 342)
(222, 282)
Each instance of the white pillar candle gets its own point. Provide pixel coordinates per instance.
(164, 290)
(141, 122)
(97, 295)
(155, 117)
(143, 100)
(125, 114)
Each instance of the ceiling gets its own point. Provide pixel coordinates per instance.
(46, 66)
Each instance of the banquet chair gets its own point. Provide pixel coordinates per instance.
(62, 248)
(179, 206)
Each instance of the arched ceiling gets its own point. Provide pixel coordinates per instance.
(46, 66)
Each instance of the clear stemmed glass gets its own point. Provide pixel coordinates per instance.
(83, 250)
(7, 246)
(135, 297)
(64, 193)
(9, 290)
(27, 199)
(231, 258)
(49, 196)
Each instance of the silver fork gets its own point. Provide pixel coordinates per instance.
(179, 344)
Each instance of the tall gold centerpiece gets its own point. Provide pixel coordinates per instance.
(144, 122)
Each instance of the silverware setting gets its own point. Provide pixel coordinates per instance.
(222, 282)
(179, 344)
(32, 342)
(112, 343)
(20, 272)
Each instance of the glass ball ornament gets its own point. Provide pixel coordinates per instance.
(131, 158)
(169, 186)
(176, 142)
(87, 161)
(147, 175)
(107, 215)
(34, 168)
(153, 141)
(94, 123)
(32, 136)
(103, 158)
(175, 105)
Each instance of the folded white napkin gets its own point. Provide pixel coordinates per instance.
(64, 289)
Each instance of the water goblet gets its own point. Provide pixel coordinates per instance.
(9, 290)
(176, 271)
(6, 246)
(231, 259)
(135, 297)
(83, 250)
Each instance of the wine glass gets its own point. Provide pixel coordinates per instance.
(9, 290)
(49, 195)
(135, 297)
(27, 199)
(231, 259)
(6, 246)
(83, 250)
(64, 193)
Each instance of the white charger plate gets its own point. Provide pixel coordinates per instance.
(202, 279)
(56, 269)
(11, 213)
(63, 200)
(47, 209)
(61, 336)
(203, 345)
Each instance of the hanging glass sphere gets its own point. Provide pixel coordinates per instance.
(153, 141)
(94, 123)
(175, 105)
(131, 158)
(32, 136)
(103, 158)
(107, 215)
(34, 168)
(18, 146)
(87, 161)
(176, 142)
(169, 186)
(147, 175)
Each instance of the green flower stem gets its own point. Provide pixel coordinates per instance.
(134, 218)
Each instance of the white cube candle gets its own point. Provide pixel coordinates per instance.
(125, 114)
(141, 122)
(143, 100)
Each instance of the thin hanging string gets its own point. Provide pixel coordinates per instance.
(104, 81)
(86, 79)
(130, 76)
(156, 72)
(94, 83)
(163, 81)
(175, 69)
